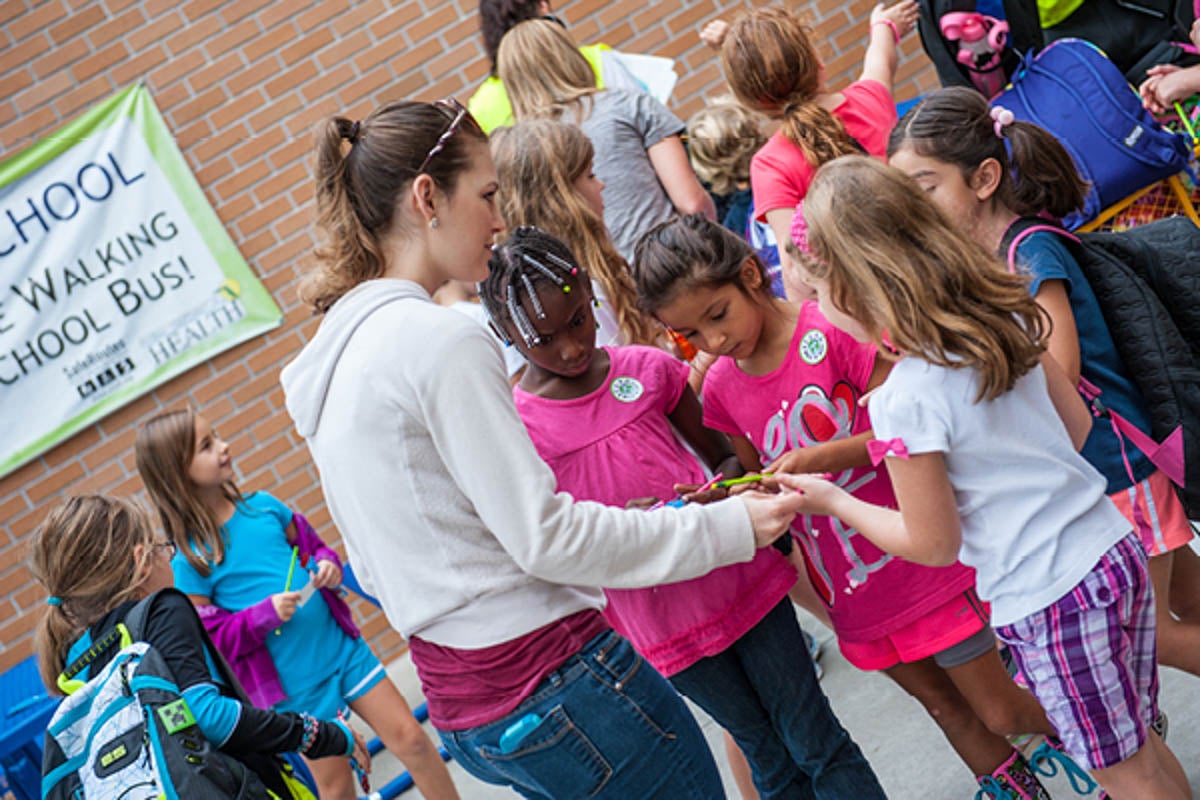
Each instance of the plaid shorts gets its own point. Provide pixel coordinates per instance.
(1090, 658)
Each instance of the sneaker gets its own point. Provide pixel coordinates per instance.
(1050, 757)
(1017, 778)
(814, 650)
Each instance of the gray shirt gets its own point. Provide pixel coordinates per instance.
(622, 126)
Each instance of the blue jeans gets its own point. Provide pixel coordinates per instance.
(611, 727)
(763, 690)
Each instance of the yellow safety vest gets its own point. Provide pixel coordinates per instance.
(490, 107)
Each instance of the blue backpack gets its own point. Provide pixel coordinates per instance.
(1072, 90)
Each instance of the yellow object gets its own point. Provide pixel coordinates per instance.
(490, 107)
(1052, 12)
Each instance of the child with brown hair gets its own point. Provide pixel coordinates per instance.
(980, 431)
(97, 557)
(242, 560)
(773, 67)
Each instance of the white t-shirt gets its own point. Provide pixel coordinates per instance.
(1035, 518)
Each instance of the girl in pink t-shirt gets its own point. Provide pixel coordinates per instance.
(602, 419)
(773, 68)
(786, 388)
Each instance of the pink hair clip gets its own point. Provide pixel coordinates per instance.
(799, 229)
(1001, 118)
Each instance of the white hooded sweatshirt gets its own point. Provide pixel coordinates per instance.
(449, 516)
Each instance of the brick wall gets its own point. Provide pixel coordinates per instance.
(241, 85)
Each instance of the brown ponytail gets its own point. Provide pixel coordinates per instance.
(772, 67)
(362, 168)
(955, 126)
(83, 554)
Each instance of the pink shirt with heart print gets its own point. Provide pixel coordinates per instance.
(812, 397)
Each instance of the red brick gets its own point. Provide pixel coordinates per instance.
(69, 449)
(42, 91)
(192, 34)
(325, 83)
(219, 144)
(263, 216)
(270, 42)
(11, 9)
(136, 67)
(232, 37)
(343, 51)
(290, 79)
(241, 179)
(109, 450)
(116, 27)
(199, 8)
(215, 72)
(37, 20)
(110, 56)
(198, 131)
(232, 12)
(15, 81)
(306, 45)
(76, 24)
(392, 21)
(44, 488)
(175, 68)
(238, 110)
(275, 110)
(230, 210)
(26, 52)
(321, 12)
(197, 106)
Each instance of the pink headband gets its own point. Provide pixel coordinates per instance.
(1001, 119)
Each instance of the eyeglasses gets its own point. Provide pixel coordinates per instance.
(168, 546)
(459, 113)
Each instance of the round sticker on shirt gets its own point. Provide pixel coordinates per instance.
(627, 389)
(813, 347)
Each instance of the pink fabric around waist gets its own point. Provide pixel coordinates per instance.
(468, 688)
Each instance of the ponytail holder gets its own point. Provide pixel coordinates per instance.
(54, 601)
(790, 108)
(354, 129)
(1001, 119)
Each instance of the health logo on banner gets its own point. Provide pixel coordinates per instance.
(115, 275)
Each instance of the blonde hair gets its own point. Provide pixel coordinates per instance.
(163, 450)
(83, 555)
(543, 70)
(537, 163)
(895, 263)
(772, 67)
(722, 139)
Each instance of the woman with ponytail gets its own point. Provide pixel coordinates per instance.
(547, 181)
(772, 67)
(448, 513)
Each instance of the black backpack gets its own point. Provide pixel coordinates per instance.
(1024, 36)
(1147, 281)
(128, 734)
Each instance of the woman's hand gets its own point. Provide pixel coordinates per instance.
(818, 494)
(771, 515)
(328, 575)
(285, 604)
(903, 15)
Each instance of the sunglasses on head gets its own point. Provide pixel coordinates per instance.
(460, 112)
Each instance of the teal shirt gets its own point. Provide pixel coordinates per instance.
(310, 646)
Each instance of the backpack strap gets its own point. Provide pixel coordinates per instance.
(1167, 455)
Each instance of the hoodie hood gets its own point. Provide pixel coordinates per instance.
(306, 379)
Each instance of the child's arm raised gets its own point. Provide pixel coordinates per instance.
(926, 530)
(888, 26)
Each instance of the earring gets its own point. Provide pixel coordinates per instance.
(433, 223)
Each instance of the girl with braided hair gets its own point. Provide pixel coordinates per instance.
(602, 418)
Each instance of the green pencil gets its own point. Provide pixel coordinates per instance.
(725, 484)
(287, 586)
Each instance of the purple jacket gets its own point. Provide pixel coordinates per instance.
(241, 635)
